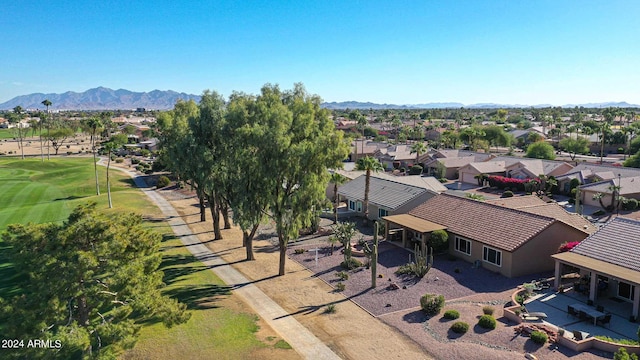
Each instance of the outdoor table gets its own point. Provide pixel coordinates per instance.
(591, 312)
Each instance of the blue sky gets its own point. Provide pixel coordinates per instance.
(401, 52)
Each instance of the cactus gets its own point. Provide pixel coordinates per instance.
(423, 262)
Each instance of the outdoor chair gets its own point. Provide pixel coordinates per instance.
(600, 308)
(571, 311)
(582, 315)
(605, 320)
(579, 335)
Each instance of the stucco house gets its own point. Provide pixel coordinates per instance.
(467, 174)
(610, 259)
(629, 188)
(388, 195)
(397, 156)
(508, 241)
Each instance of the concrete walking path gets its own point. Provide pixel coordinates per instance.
(299, 337)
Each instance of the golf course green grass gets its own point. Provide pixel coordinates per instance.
(35, 191)
(7, 134)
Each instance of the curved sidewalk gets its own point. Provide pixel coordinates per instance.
(299, 337)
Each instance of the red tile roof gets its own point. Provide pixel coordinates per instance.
(494, 225)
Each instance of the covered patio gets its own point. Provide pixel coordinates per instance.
(409, 230)
(556, 305)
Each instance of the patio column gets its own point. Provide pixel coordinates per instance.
(593, 286)
(404, 237)
(386, 229)
(558, 275)
(636, 301)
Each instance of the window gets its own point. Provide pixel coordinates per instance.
(382, 212)
(492, 256)
(626, 290)
(463, 245)
(359, 206)
(352, 205)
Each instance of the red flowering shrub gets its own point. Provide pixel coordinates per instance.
(568, 246)
(502, 182)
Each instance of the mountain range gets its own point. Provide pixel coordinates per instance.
(102, 98)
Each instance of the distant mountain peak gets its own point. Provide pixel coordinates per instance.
(101, 98)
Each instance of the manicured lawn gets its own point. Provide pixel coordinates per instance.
(33, 191)
(6, 134)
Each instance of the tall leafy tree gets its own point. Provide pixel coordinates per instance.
(88, 283)
(541, 150)
(579, 145)
(368, 164)
(299, 143)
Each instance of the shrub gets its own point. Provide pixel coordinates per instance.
(439, 240)
(119, 160)
(507, 194)
(451, 314)
(598, 213)
(342, 276)
(135, 161)
(351, 264)
(298, 251)
(148, 172)
(460, 327)
(330, 309)
(340, 286)
(630, 204)
(163, 181)
(432, 304)
(443, 180)
(622, 354)
(487, 310)
(487, 322)
(539, 337)
(415, 170)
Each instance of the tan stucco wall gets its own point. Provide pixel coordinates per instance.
(535, 255)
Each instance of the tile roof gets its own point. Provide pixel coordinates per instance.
(534, 205)
(494, 225)
(488, 166)
(384, 192)
(616, 242)
(595, 168)
(426, 182)
(628, 185)
(452, 162)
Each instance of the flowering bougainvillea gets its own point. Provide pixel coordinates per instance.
(568, 246)
(502, 182)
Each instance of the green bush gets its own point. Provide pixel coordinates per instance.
(135, 161)
(163, 181)
(630, 204)
(119, 160)
(460, 327)
(340, 286)
(330, 309)
(299, 251)
(622, 354)
(443, 180)
(487, 322)
(507, 194)
(539, 337)
(342, 275)
(415, 170)
(352, 264)
(451, 314)
(432, 304)
(487, 310)
(439, 240)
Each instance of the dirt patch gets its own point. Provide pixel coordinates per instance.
(351, 332)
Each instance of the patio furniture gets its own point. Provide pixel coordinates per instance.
(586, 312)
(579, 335)
(529, 316)
(600, 308)
(572, 311)
(604, 320)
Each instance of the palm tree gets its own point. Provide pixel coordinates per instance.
(46, 103)
(17, 116)
(418, 148)
(336, 179)
(368, 164)
(94, 124)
